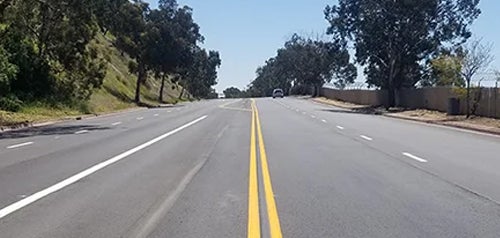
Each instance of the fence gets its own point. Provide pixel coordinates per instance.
(422, 98)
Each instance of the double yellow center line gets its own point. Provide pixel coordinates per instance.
(254, 230)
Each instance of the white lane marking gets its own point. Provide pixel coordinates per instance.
(313, 116)
(82, 132)
(116, 123)
(414, 157)
(366, 137)
(140, 118)
(58, 186)
(324, 121)
(156, 115)
(340, 127)
(169, 111)
(19, 145)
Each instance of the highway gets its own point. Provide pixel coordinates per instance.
(248, 168)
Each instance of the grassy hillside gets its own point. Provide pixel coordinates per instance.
(117, 92)
(118, 89)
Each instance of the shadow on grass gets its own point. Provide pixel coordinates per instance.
(120, 95)
(49, 130)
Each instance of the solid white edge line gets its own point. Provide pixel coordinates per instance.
(116, 123)
(81, 132)
(340, 127)
(366, 137)
(140, 118)
(58, 186)
(414, 157)
(19, 145)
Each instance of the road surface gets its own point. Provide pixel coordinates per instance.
(248, 168)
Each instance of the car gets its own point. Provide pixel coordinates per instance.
(278, 93)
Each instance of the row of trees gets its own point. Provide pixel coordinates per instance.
(46, 49)
(303, 64)
(400, 44)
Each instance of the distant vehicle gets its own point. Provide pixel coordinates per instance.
(278, 92)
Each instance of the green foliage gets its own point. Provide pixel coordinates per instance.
(306, 62)
(8, 72)
(232, 92)
(51, 51)
(48, 41)
(394, 39)
(446, 71)
(10, 103)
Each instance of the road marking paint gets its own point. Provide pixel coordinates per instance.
(156, 115)
(414, 157)
(313, 116)
(324, 121)
(272, 211)
(116, 123)
(340, 127)
(366, 137)
(140, 118)
(58, 186)
(169, 111)
(253, 230)
(19, 145)
(82, 132)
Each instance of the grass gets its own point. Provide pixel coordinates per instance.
(116, 93)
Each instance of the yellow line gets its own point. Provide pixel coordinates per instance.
(272, 211)
(253, 190)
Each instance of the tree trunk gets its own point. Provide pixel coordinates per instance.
(182, 93)
(140, 78)
(160, 97)
(467, 106)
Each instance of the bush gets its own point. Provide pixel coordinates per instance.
(10, 103)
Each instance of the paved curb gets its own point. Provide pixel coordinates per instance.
(25, 125)
(441, 123)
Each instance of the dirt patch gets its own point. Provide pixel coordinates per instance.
(483, 124)
(341, 104)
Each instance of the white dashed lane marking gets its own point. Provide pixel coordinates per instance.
(19, 145)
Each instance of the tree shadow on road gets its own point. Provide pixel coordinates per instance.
(50, 130)
(363, 110)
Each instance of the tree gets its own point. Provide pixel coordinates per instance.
(446, 70)
(305, 62)
(393, 39)
(232, 92)
(475, 57)
(8, 72)
(49, 42)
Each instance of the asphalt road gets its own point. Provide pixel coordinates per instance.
(248, 168)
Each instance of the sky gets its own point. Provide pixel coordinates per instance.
(247, 33)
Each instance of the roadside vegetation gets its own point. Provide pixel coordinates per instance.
(65, 57)
(398, 44)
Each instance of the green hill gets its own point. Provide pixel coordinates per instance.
(116, 93)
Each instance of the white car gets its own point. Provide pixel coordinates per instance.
(278, 92)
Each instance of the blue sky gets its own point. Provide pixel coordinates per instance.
(246, 33)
